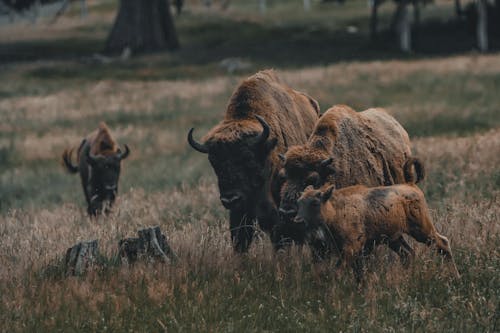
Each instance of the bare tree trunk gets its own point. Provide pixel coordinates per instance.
(482, 25)
(403, 26)
(374, 19)
(458, 9)
(416, 22)
(178, 6)
(262, 6)
(83, 8)
(143, 26)
(307, 5)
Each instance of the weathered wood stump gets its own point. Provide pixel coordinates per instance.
(150, 245)
(81, 257)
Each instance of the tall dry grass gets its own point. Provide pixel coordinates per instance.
(213, 289)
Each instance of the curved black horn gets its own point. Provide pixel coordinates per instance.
(123, 155)
(262, 137)
(326, 162)
(196, 145)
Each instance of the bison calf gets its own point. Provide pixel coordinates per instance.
(99, 161)
(351, 220)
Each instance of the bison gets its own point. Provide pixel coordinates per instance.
(352, 220)
(346, 148)
(98, 162)
(263, 118)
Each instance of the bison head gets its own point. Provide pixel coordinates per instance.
(309, 206)
(104, 175)
(239, 161)
(302, 167)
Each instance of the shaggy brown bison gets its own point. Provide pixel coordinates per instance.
(352, 220)
(99, 160)
(346, 148)
(264, 117)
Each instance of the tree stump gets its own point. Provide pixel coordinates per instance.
(151, 245)
(81, 257)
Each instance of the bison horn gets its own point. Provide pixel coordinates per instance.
(326, 162)
(262, 137)
(202, 148)
(123, 155)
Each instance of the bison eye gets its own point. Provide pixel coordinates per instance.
(313, 179)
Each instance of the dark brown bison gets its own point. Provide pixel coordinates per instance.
(352, 220)
(98, 162)
(264, 117)
(346, 148)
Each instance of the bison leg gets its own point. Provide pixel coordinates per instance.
(285, 234)
(242, 231)
(403, 249)
(353, 258)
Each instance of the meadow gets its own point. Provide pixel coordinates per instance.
(54, 92)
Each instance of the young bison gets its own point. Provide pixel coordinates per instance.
(99, 160)
(352, 220)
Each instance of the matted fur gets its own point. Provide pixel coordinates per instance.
(249, 171)
(368, 148)
(290, 114)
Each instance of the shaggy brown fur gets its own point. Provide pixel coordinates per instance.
(247, 171)
(98, 162)
(350, 221)
(367, 148)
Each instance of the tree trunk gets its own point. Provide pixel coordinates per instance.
(307, 5)
(263, 6)
(143, 26)
(482, 25)
(416, 23)
(403, 26)
(458, 9)
(374, 19)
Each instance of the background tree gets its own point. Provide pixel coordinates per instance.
(143, 26)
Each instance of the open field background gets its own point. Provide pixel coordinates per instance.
(53, 93)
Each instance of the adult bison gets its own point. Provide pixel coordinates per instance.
(264, 117)
(99, 160)
(346, 148)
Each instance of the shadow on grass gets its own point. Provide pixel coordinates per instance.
(208, 40)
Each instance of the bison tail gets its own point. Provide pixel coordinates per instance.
(419, 170)
(66, 156)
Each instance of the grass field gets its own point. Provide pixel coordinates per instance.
(52, 94)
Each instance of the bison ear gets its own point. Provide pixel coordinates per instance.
(325, 196)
